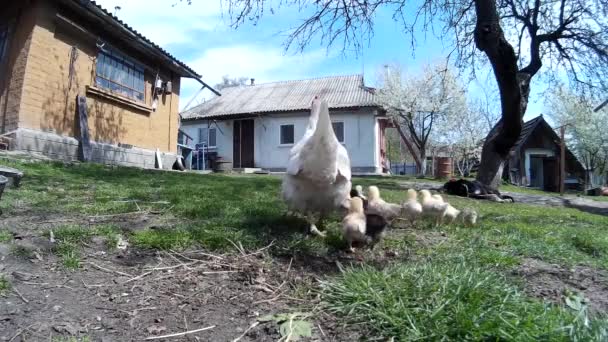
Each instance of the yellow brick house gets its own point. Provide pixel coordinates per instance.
(55, 51)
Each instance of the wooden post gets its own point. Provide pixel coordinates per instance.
(562, 162)
(85, 143)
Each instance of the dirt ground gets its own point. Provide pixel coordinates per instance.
(552, 282)
(133, 294)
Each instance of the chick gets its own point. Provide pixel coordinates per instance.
(375, 224)
(376, 205)
(433, 207)
(450, 214)
(438, 198)
(469, 217)
(353, 224)
(358, 192)
(375, 228)
(411, 207)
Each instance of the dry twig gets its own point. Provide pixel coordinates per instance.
(20, 295)
(255, 324)
(136, 278)
(109, 270)
(179, 334)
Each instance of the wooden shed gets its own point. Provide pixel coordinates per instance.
(535, 159)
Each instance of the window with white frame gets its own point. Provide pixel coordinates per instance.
(119, 74)
(287, 135)
(207, 136)
(338, 130)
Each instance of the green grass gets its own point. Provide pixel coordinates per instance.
(465, 274)
(217, 209)
(5, 285)
(69, 254)
(5, 236)
(70, 239)
(22, 251)
(451, 299)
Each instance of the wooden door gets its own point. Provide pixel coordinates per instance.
(243, 138)
(550, 174)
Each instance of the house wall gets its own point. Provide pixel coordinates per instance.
(224, 135)
(360, 138)
(20, 22)
(48, 98)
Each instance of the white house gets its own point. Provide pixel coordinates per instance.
(255, 126)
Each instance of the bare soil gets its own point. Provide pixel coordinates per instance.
(552, 282)
(132, 294)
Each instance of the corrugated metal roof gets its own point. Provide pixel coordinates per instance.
(339, 91)
(83, 3)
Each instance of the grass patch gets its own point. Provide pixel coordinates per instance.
(592, 244)
(73, 234)
(5, 236)
(450, 299)
(69, 254)
(441, 296)
(70, 239)
(5, 285)
(214, 209)
(22, 251)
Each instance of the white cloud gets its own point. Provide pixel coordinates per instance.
(167, 22)
(265, 64)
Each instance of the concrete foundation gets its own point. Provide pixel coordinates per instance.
(356, 170)
(66, 148)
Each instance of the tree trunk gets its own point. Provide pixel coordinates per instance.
(408, 144)
(513, 87)
(422, 158)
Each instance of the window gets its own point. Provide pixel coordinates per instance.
(202, 137)
(3, 42)
(287, 136)
(338, 130)
(118, 74)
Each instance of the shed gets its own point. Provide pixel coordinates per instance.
(534, 160)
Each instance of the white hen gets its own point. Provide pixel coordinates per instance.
(317, 180)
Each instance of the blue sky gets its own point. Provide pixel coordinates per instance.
(199, 34)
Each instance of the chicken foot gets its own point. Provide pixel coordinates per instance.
(313, 227)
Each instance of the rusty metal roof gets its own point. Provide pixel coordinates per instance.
(339, 91)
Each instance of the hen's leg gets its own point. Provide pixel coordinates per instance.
(349, 245)
(313, 228)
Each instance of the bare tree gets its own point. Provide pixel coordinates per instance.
(560, 35)
(419, 101)
(228, 82)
